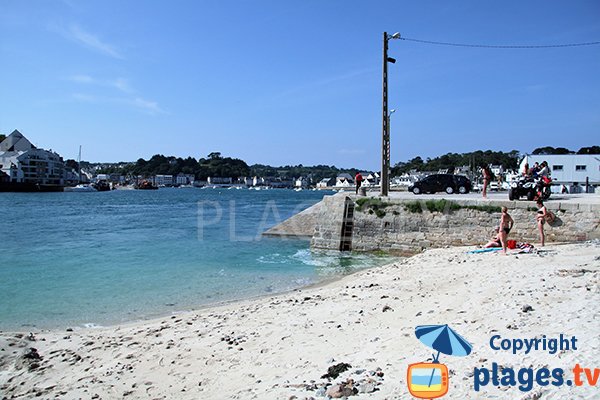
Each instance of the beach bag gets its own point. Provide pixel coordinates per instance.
(511, 244)
(550, 217)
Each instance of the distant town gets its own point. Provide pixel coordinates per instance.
(24, 167)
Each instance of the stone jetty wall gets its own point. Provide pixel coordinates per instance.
(396, 225)
(301, 225)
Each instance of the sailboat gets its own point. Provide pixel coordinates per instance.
(80, 187)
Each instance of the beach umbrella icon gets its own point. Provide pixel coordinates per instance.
(443, 339)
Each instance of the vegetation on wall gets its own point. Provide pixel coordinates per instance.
(444, 205)
(372, 205)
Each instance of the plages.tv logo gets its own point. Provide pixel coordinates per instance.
(430, 380)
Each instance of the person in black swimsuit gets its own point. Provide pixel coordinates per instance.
(506, 224)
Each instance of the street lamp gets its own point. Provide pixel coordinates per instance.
(385, 132)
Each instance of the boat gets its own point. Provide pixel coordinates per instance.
(82, 187)
(101, 186)
(146, 185)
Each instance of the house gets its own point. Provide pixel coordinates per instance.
(302, 182)
(572, 170)
(258, 181)
(185, 179)
(163, 180)
(216, 180)
(326, 183)
(405, 179)
(282, 183)
(344, 180)
(246, 181)
(370, 178)
(30, 167)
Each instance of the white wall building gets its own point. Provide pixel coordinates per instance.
(569, 169)
(26, 164)
(163, 180)
(185, 179)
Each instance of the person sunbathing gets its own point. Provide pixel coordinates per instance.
(494, 242)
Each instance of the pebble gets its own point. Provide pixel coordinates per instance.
(526, 308)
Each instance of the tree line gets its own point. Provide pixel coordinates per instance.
(216, 165)
(475, 159)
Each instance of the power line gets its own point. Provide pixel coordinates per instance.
(491, 46)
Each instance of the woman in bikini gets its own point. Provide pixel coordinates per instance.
(506, 224)
(542, 215)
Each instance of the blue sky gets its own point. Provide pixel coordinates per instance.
(296, 82)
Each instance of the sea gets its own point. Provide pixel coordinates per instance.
(105, 258)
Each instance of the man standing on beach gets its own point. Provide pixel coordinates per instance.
(358, 179)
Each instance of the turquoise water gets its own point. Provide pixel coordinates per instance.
(74, 259)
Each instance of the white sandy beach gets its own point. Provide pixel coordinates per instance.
(279, 347)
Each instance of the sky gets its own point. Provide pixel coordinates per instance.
(296, 82)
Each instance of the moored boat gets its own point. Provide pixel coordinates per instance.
(82, 187)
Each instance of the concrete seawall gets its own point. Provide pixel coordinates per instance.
(395, 225)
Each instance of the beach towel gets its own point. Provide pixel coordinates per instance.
(484, 250)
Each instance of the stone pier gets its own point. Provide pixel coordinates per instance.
(406, 225)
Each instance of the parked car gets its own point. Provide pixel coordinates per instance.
(441, 183)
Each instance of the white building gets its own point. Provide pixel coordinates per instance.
(26, 164)
(185, 179)
(258, 181)
(326, 183)
(569, 169)
(344, 180)
(214, 180)
(370, 179)
(163, 180)
(247, 181)
(405, 179)
(302, 182)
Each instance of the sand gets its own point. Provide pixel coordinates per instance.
(280, 347)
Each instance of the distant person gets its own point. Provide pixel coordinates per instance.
(487, 178)
(506, 224)
(358, 179)
(544, 170)
(534, 170)
(542, 215)
(563, 189)
(525, 171)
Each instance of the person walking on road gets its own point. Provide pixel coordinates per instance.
(358, 180)
(487, 178)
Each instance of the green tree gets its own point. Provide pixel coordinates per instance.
(589, 150)
(551, 150)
